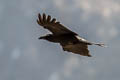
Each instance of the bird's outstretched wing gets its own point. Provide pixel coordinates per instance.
(79, 48)
(55, 27)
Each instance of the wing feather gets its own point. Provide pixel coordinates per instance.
(53, 20)
(44, 18)
(55, 27)
(49, 18)
(40, 19)
(79, 48)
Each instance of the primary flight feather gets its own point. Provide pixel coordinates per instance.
(69, 40)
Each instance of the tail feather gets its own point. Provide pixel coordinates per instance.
(100, 44)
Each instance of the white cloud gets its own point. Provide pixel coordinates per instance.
(107, 33)
(65, 6)
(54, 76)
(32, 7)
(90, 73)
(70, 64)
(106, 12)
(106, 8)
(59, 3)
(16, 53)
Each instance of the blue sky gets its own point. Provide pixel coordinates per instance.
(24, 57)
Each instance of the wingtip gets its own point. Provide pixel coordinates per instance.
(39, 14)
(44, 14)
(37, 21)
(57, 22)
(53, 20)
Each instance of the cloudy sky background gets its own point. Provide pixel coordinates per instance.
(24, 57)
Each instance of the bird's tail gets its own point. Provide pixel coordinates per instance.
(100, 44)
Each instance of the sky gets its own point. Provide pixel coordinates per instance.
(24, 57)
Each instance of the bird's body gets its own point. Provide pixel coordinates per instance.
(69, 40)
(59, 38)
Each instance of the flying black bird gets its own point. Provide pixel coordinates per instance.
(69, 40)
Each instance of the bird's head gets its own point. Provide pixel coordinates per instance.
(46, 37)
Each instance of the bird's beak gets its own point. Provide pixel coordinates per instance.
(40, 37)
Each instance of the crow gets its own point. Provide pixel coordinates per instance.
(69, 40)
